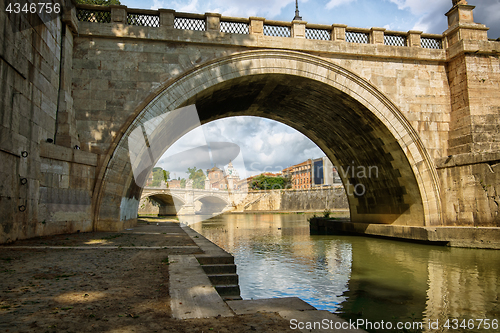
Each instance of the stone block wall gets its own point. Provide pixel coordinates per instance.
(483, 81)
(45, 188)
(146, 207)
(113, 77)
(419, 88)
(66, 185)
(470, 189)
(120, 67)
(474, 85)
(297, 200)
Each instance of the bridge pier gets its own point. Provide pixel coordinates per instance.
(186, 210)
(167, 211)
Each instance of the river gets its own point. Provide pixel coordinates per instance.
(356, 277)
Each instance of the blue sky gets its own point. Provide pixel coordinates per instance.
(400, 15)
(270, 146)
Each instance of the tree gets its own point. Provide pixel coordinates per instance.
(158, 176)
(99, 2)
(262, 182)
(166, 175)
(197, 176)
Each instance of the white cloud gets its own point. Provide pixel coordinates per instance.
(265, 145)
(420, 7)
(264, 8)
(487, 12)
(334, 3)
(428, 14)
(433, 21)
(191, 7)
(157, 4)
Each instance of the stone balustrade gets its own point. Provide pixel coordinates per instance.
(214, 22)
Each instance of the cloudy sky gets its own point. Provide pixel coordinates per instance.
(400, 15)
(264, 146)
(270, 146)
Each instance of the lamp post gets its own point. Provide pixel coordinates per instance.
(297, 15)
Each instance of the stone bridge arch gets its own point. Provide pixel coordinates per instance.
(167, 200)
(347, 117)
(213, 203)
(160, 194)
(219, 197)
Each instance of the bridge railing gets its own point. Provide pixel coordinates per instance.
(187, 21)
(277, 28)
(357, 35)
(143, 18)
(432, 41)
(235, 25)
(395, 38)
(255, 26)
(319, 32)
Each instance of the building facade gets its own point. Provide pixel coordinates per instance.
(324, 173)
(300, 175)
(312, 173)
(222, 179)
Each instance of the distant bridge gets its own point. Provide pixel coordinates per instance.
(185, 202)
(188, 201)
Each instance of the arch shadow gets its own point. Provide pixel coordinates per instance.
(358, 128)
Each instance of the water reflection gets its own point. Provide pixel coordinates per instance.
(358, 277)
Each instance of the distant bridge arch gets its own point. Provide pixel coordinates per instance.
(184, 201)
(215, 195)
(355, 124)
(162, 193)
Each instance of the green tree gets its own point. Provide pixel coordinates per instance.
(99, 2)
(183, 183)
(197, 176)
(158, 176)
(262, 182)
(166, 175)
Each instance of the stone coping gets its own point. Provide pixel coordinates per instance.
(453, 236)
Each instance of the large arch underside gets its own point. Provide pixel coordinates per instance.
(378, 178)
(388, 176)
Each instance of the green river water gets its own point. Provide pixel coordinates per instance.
(361, 278)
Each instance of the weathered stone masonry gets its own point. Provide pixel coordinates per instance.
(428, 118)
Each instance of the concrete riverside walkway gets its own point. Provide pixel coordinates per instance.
(297, 311)
(192, 294)
(144, 279)
(194, 297)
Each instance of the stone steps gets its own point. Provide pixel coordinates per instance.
(223, 279)
(218, 265)
(192, 293)
(208, 259)
(228, 291)
(220, 269)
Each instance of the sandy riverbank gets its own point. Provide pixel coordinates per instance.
(104, 282)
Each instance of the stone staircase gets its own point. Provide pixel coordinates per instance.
(221, 272)
(218, 265)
